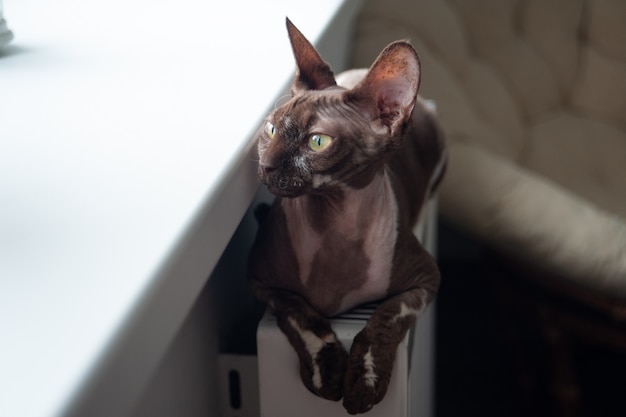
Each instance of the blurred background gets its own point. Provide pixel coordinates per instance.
(532, 97)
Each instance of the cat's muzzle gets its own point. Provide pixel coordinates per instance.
(284, 184)
(285, 187)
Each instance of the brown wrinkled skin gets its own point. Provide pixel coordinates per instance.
(340, 231)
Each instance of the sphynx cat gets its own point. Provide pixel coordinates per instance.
(352, 165)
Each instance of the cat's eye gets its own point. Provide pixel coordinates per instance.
(318, 142)
(270, 130)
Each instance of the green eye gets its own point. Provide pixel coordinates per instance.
(319, 142)
(270, 130)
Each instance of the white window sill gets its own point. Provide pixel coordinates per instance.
(126, 163)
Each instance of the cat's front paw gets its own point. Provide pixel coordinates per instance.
(367, 377)
(323, 374)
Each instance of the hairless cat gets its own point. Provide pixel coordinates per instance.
(352, 164)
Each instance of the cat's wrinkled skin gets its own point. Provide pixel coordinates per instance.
(340, 231)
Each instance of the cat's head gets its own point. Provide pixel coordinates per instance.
(327, 137)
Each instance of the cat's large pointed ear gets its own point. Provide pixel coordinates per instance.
(389, 89)
(312, 72)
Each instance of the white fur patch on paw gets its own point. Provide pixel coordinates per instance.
(368, 363)
(405, 312)
(313, 345)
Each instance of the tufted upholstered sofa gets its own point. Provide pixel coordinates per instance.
(532, 97)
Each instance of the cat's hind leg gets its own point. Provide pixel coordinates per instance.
(322, 357)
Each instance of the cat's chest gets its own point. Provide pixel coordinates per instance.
(349, 260)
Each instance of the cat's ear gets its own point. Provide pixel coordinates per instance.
(389, 89)
(312, 73)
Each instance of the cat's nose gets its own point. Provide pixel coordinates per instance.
(266, 168)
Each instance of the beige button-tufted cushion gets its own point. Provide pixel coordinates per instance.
(536, 89)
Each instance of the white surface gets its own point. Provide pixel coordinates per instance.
(5, 33)
(120, 124)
